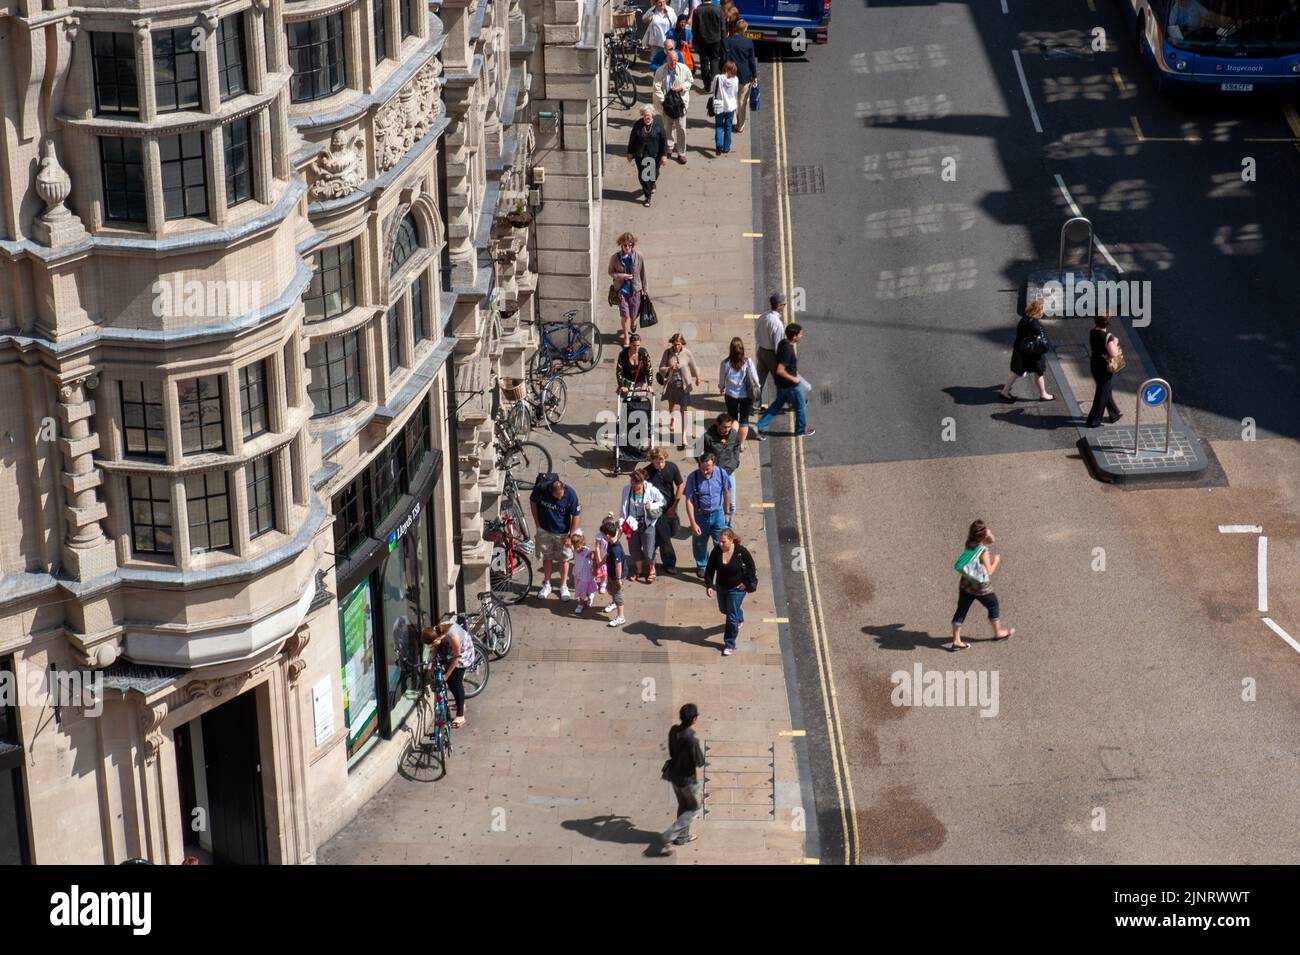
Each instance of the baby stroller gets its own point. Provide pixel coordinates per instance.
(636, 421)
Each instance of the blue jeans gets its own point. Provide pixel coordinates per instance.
(786, 396)
(711, 524)
(722, 130)
(729, 602)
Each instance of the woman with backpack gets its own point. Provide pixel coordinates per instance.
(731, 568)
(1029, 353)
(977, 565)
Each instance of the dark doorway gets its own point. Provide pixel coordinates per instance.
(191, 812)
(232, 756)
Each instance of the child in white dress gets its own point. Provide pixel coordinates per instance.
(588, 568)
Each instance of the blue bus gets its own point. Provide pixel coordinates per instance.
(779, 20)
(1229, 46)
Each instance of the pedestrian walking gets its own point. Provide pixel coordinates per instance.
(724, 90)
(660, 20)
(676, 372)
(1029, 353)
(740, 50)
(738, 383)
(641, 508)
(588, 571)
(632, 369)
(708, 504)
(732, 571)
(555, 510)
(722, 440)
(977, 564)
(647, 145)
(708, 29)
(768, 334)
(629, 283)
(685, 759)
(667, 479)
(1105, 362)
(672, 93)
(453, 652)
(789, 385)
(615, 570)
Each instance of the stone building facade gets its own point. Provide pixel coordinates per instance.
(263, 264)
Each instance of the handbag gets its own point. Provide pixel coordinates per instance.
(971, 567)
(755, 97)
(613, 294)
(665, 772)
(1116, 364)
(751, 380)
(648, 316)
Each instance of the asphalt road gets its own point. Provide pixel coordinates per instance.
(1121, 695)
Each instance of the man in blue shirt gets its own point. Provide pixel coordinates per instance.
(555, 512)
(708, 507)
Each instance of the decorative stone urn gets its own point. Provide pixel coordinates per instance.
(56, 225)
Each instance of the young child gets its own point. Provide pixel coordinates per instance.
(616, 567)
(586, 564)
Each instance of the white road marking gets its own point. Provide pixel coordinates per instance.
(1240, 529)
(1095, 241)
(1282, 633)
(1261, 572)
(1024, 85)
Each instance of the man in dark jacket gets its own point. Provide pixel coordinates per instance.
(708, 29)
(740, 50)
(722, 440)
(647, 147)
(685, 758)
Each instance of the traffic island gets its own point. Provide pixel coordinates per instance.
(1151, 439)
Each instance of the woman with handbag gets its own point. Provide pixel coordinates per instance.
(977, 565)
(722, 106)
(674, 366)
(1106, 361)
(738, 382)
(642, 506)
(628, 278)
(1029, 353)
(731, 569)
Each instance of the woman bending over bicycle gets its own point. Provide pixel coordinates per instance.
(453, 650)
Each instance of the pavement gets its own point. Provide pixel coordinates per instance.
(559, 762)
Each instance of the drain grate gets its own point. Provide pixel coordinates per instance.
(739, 781)
(805, 181)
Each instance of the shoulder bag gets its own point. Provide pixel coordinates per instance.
(648, 316)
(1115, 363)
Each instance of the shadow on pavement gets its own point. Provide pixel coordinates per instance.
(617, 829)
(656, 633)
(894, 637)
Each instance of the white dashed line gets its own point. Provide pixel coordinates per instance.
(1024, 85)
(1240, 529)
(1095, 241)
(1262, 573)
(1283, 634)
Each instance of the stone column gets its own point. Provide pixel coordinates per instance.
(87, 553)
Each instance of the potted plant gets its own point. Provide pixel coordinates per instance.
(519, 216)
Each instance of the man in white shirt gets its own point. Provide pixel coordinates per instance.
(769, 333)
(674, 75)
(660, 21)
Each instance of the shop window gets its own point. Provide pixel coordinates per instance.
(207, 499)
(122, 163)
(333, 284)
(349, 520)
(360, 668)
(150, 501)
(316, 55)
(175, 69)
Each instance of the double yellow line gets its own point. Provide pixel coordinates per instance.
(816, 615)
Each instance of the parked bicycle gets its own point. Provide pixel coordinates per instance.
(513, 453)
(542, 401)
(565, 343)
(621, 48)
(513, 504)
(427, 751)
(510, 573)
(489, 625)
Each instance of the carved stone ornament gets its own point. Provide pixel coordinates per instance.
(215, 689)
(293, 652)
(150, 725)
(404, 119)
(210, 18)
(56, 225)
(340, 170)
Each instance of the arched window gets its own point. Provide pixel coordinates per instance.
(404, 246)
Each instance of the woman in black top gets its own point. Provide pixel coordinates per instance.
(647, 146)
(667, 477)
(1029, 353)
(732, 568)
(633, 368)
(1102, 345)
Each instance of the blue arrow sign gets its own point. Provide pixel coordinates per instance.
(1154, 395)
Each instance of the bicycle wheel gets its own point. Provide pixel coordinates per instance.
(476, 675)
(552, 400)
(625, 88)
(500, 632)
(520, 419)
(587, 346)
(531, 457)
(510, 504)
(423, 761)
(509, 581)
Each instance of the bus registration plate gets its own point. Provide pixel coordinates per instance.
(753, 36)
(1237, 87)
